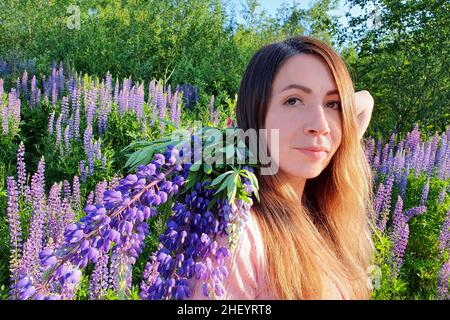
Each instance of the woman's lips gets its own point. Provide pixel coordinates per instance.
(316, 155)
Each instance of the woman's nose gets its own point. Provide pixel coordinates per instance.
(317, 122)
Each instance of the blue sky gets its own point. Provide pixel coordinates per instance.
(270, 6)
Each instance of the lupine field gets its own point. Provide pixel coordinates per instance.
(76, 225)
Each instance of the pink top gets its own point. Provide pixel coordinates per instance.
(246, 267)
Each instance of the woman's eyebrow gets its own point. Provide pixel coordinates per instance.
(306, 89)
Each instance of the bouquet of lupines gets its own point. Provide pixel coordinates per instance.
(197, 202)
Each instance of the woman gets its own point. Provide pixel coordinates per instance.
(309, 236)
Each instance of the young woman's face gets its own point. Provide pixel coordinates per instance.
(305, 106)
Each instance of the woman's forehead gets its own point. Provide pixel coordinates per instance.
(304, 70)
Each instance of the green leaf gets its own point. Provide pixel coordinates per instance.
(195, 167)
(141, 143)
(169, 123)
(144, 155)
(253, 180)
(207, 168)
(231, 186)
(220, 178)
(213, 201)
(191, 179)
(224, 185)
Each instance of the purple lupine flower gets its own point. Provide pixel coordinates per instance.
(132, 99)
(34, 89)
(163, 111)
(442, 194)
(83, 171)
(139, 101)
(108, 82)
(51, 121)
(443, 170)
(75, 99)
(368, 150)
(174, 107)
(391, 141)
(17, 87)
(178, 115)
(87, 139)
(403, 181)
(104, 109)
(54, 94)
(38, 98)
(397, 216)
(126, 88)
(76, 129)
(426, 157)
(444, 274)
(418, 158)
(25, 83)
(413, 138)
(1, 88)
(96, 149)
(123, 100)
(5, 117)
(67, 139)
(444, 236)
(155, 105)
(34, 243)
(379, 200)
(151, 93)
(70, 125)
(399, 236)
(414, 211)
(98, 284)
(385, 159)
(54, 213)
(398, 164)
(21, 169)
(91, 106)
(160, 100)
(99, 190)
(15, 232)
(68, 216)
(386, 205)
(432, 161)
(65, 109)
(76, 199)
(400, 247)
(71, 84)
(425, 189)
(67, 190)
(91, 167)
(61, 79)
(14, 110)
(441, 154)
(104, 161)
(116, 92)
(58, 131)
(90, 199)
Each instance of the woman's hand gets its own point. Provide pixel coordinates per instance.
(364, 107)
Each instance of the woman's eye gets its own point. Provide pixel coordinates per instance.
(291, 101)
(336, 105)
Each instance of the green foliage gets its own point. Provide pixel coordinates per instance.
(403, 60)
(418, 278)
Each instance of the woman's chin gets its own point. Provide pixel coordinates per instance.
(305, 174)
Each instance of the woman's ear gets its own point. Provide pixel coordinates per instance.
(364, 107)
